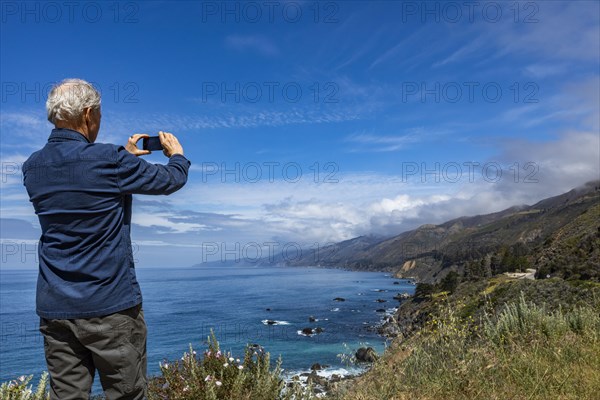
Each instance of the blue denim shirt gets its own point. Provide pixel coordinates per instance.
(82, 194)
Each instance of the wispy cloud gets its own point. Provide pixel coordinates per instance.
(463, 52)
(565, 31)
(248, 118)
(545, 70)
(24, 120)
(398, 49)
(381, 143)
(360, 204)
(253, 43)
(115, 127)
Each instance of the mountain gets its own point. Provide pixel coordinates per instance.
(558, 236)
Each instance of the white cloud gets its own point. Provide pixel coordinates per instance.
(28, 123)
(164, 223)
(152, 243)
(386, 204)
(357, 204)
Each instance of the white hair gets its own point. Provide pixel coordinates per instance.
(69, 98)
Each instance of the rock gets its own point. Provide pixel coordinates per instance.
(316, 367)
(389, 328)
(318, 329)
(316, 379)
(380, 310)
(396, 283)
(271, 322)
(256, 347)
(381, 301)
(311, 319)
(307, 331)
(339, 299)
(407, 266)
(366, 354)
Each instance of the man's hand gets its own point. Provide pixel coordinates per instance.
(131, 145)
(170, 144)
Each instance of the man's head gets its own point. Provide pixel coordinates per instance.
(75, 104)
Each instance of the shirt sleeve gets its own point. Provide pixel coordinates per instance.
(138, 176)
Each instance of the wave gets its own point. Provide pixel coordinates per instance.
(324, 373)
(274, 322)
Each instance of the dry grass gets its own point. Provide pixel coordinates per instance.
(522, 352)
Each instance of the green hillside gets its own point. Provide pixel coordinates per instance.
(558, 236)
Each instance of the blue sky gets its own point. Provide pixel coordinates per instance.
(311, 122)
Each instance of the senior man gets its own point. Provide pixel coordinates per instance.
(88, 298)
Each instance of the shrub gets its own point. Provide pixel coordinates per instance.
(17, 389)
(218, 375)
(424, 290)
(215, 375)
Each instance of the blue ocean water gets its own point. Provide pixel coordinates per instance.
(182, 305)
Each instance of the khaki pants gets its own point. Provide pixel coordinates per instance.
(114, 344)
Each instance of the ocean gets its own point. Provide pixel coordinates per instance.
(183, 305)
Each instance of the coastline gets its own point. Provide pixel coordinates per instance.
(327, 379)
(345, 324)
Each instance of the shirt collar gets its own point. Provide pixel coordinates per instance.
(63, 134)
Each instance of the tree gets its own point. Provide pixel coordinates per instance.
(424, 290)
(450, 281)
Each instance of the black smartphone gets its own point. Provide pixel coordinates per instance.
(151, 143)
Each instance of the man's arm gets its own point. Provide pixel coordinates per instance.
(136, 175)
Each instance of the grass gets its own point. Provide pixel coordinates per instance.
(522, 351)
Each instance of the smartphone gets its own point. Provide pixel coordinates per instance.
(151, 143)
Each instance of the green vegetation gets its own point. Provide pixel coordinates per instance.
(215, 375)
(218, 375)
(469, 349)
(19, 389)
